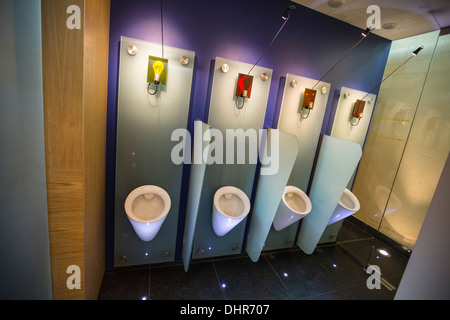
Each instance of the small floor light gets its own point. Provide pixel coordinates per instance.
(383, 252)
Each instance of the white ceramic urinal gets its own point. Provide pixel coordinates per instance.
(348, 205)
(231, 205)
(147, 208)
(294, 205)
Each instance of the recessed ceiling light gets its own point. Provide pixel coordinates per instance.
(389, 25)
(336, 3)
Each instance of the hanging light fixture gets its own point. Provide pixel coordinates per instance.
(310, 103)
(244, 88)
(358, 111)
(245, 94)
(359, 105)
(157, 68)
(286, 15)
(414, 53)
(365, 33)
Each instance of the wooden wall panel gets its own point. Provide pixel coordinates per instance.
(62, 59)
(96, 49)
(63, 86)
(75, 72)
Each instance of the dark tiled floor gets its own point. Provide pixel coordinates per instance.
(329, 273)
(362, 247)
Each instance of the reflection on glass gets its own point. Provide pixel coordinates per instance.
(406, 149)
(424, 156)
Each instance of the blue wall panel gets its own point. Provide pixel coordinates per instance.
(309, 45)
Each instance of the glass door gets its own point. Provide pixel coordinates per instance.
(406, 149)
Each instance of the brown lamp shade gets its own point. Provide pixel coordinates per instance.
(309, 98)
(358, 109)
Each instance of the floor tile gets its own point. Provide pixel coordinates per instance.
(243, 279)
(130, 284)
(349, 232)
(344, 270)
(330, 273)
(302, 274)
(173, 283)
(391, 265)
(362, 292)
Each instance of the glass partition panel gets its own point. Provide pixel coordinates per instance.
(270, 190)
(424, 156)
(392, 120)
(196, 179)
(336, 163)
(406, 149)
(145, 124)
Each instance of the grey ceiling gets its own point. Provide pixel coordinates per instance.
(399, 18)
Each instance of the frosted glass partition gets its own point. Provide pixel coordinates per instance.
(223, 115)
(335, 165)
(307, 132)
(143, 157)
(269, 191)
(342, 128)
(198, 169)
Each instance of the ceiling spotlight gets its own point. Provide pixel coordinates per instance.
(416, 52)
(287, 12)
(336, 3)
(389, 25)
(366, 32)
(285, 16)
